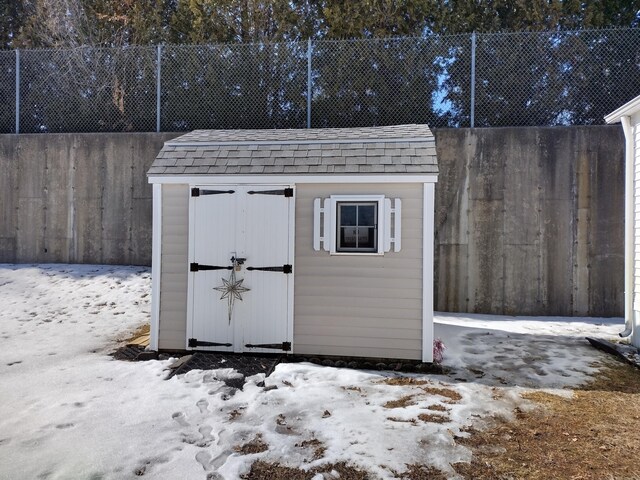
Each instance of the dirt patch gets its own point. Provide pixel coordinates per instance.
(274, 471)
(401, 402)
(595, 434)
(256, 445)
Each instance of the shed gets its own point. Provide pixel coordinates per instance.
(629, 115)
(313, 242)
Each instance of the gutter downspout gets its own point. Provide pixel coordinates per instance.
(629, 252)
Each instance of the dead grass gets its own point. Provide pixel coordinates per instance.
(593, 435)
(431, 418)
(443, 392)
(261, 470)
(235, 413)
(436, 407)
(274, 471)
(404, 381)
(256, 445)
(421, 472)
(402, 420)
(401, 402)
(314, 444)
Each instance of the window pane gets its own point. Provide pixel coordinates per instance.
(348, 215)
(367, 237)
(348, 237)
(367, 215)
(356, 227)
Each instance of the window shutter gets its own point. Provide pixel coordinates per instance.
(392, 214)
(321, 224)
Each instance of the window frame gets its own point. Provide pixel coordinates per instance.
(380, 223)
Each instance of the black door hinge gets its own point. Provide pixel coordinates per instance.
(193, 342)
(196, 192)
(283, 269)
(196, 267)
(285, 346)
(287, 192)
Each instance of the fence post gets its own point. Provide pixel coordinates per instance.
(473, 80)
(309, 83)
(158, 71)
(17, 91)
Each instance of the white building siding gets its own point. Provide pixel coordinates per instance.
(635, 127)
(174, 259)
(359, 305)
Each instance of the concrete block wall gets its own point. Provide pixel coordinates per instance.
(76, 198)
(528, 220)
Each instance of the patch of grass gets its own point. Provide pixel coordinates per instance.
(436, 407)
(235, 413)
(422, 472)
(404, 381)
(443, 392)
(256, 445)
(353, 389)
(401, 420)
(315, 444)
(431, 418)
(592, 435)
(401, 402)
(261, 470)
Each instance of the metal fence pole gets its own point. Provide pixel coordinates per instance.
(17, 91)
(309, 83)
(473, 80)
(158, 71)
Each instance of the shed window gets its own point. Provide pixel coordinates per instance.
(357, 226)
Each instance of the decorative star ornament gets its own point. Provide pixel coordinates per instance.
(232, 290)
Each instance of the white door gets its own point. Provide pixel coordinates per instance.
(247, 308)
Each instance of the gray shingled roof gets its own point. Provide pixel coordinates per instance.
(390, 150)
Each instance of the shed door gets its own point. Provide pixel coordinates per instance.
(241, 268)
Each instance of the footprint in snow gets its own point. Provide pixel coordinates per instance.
(203, 405)
(180, 418)
(207, 438)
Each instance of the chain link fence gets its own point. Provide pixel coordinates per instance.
(233, 86)
(482, 80)
(87, 90)
(554, 78)
(8, 91)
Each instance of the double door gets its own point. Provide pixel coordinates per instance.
(240, 268)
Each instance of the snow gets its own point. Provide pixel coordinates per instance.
(68, 410)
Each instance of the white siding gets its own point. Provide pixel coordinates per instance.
(173, 279)
(635, 126)
(353, 305)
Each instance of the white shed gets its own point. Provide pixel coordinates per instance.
(313, 242)
(629, 116)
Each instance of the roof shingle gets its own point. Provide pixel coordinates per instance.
(394, 149)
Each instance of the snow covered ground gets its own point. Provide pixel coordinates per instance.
(68, 411)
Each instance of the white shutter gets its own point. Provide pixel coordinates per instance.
(321, 224)
(391, 215)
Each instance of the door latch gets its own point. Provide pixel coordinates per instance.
(237, 263)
